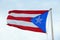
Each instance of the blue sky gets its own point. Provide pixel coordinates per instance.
(6, 5)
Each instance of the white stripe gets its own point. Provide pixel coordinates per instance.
(24, 15)
(23, 23)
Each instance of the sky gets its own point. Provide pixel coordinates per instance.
(11, 33)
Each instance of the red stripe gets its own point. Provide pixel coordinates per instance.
(19, 18)
(28, 11)
(26, 28)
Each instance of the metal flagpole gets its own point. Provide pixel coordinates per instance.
(52, 34)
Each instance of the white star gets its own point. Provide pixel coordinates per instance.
(38, 20)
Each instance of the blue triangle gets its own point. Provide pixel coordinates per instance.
(40, 21)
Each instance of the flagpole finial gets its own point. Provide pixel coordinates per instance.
(50, 8)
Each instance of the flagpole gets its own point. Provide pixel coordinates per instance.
(52, 34)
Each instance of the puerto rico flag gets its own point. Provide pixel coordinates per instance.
(31, 20)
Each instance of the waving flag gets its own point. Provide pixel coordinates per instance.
(32, 20)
